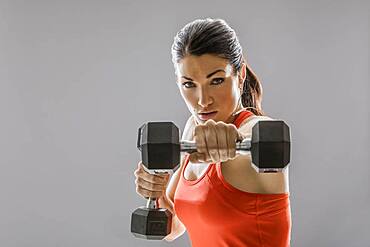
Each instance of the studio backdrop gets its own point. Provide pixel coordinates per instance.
(78, 78)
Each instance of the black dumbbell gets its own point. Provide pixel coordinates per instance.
(158, 143)
(160, 152)
(269, 146)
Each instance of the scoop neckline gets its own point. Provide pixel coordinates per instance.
(200, 178)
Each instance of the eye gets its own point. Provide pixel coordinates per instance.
(188, 84)
(217, 81)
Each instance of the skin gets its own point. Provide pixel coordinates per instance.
(215, 138)
(207, 83)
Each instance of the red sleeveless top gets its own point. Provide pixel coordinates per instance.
(219, 215)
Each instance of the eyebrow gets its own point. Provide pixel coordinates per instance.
(208, 76)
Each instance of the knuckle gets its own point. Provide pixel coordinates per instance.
(232, 126)
(211, 122)
(220, 124)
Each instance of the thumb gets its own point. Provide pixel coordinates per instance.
(139, 165)
(197, 157)
(164, 202)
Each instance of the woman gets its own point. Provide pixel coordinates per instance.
(216, 195)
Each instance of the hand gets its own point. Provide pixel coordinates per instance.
(215, 142)
(150, 185)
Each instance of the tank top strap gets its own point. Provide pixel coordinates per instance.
(242, 115)
(186, 162)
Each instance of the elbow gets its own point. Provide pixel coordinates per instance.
(173, 235)
(177, 230)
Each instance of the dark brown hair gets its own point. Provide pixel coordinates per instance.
(215, 36)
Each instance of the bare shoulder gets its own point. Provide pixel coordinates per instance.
(240, 173)
(248, 123)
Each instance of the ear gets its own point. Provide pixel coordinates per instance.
(242, 75)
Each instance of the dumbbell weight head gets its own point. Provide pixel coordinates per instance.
(160, 146)
(160, 152)
(270, 146)
(151, 223)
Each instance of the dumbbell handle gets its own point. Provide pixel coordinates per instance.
(191, 146)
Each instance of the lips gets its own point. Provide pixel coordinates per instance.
(207, 115)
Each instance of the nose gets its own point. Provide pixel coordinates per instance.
(205, 98)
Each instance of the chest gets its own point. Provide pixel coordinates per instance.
(194, 171)
(240, 174)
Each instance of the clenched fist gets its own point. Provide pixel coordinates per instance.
(153, 186)
(216, 142)
(150, 185)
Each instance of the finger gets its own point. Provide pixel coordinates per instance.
(227, 135)
(141, 169)
(164, 202)
(153, 178)
(233, 135)
(150, 186)
(222, 142)
(211, 141)
(199, 137)
(148, 193)
(137, 171)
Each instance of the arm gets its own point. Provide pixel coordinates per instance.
(263, 182)
(177, 228)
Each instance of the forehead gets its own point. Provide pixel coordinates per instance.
(200, 66)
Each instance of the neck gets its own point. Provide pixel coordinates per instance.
(233, 116)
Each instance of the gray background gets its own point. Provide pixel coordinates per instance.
(77, 78)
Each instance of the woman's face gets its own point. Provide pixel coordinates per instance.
(209, 87)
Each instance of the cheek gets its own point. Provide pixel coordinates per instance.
(228, 93)
(235, 91)
(188, 96)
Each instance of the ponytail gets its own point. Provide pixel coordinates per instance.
(252, 92)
